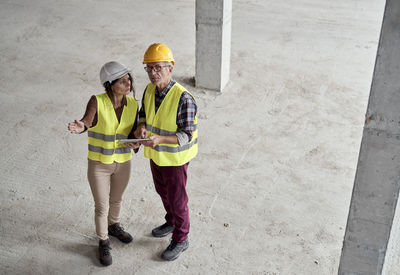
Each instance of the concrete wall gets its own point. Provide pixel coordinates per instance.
(376, 186)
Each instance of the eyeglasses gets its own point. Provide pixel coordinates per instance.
(156, 68)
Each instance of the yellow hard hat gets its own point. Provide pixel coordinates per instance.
(158, 52)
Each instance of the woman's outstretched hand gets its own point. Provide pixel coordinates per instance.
(76, 127)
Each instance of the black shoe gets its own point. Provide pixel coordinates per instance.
(118, 231)
(104, 252)
(174, 250)
(162, 230)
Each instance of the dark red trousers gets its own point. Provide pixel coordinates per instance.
(170, 184)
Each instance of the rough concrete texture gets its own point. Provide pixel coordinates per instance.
(392, 258)
(270, 189)
(377, 182)
(213, 43)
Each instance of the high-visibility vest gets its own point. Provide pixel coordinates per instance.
(164, 123)
(103, 137)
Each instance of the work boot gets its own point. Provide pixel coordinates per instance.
(162, 230)
(174, 250)
(104, 252)
(116, 230)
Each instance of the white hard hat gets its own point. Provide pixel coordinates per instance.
(112, 71)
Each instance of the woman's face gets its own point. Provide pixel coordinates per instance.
(122, 86)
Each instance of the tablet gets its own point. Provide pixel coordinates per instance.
(133, 140)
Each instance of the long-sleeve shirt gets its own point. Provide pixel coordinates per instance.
(90, 116)
(187, 110)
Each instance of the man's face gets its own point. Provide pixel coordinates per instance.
(159, 73)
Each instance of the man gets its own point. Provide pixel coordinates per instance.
(168, 117)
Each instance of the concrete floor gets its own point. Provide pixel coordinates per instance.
(270, 189)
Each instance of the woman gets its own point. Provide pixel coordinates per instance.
(109, 117)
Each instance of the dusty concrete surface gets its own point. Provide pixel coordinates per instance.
(278, 148)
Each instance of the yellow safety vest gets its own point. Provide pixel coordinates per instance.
(164, 123)
(103, 138)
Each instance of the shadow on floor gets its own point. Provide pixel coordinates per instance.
(89, 251)
(186, 81)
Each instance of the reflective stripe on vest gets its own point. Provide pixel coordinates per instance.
(108, 152)
(160, 148)
(103, 138)
(106, 137)
(160, 132)
(164, 123)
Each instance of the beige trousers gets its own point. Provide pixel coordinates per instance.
(107, 182)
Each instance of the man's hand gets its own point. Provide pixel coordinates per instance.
(153, 142)
(76, 127)
(156, 139)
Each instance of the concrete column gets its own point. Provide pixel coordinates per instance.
(392, 257)
(213, 43)
(377, 181)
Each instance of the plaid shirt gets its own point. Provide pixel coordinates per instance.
(187, 110)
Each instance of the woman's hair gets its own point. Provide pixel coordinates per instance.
(107, 85)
